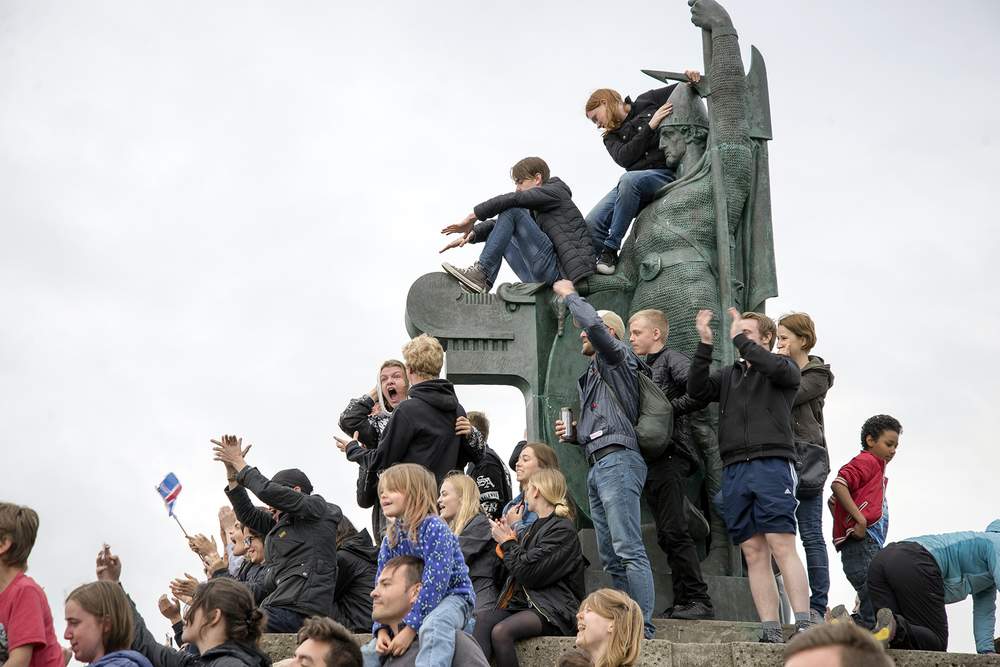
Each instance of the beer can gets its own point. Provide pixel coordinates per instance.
(566, 416)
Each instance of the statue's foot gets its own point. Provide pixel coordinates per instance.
(472, 278)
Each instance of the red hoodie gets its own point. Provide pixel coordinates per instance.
(864, 477)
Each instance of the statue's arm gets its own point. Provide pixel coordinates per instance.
(728, 103)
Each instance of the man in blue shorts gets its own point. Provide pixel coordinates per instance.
(757, 448)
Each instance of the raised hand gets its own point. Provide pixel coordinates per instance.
(736, 323)
(183, 589)
(170, 610)
(514, 515)
(109, 566)
(703, 323)
(203, 546)
(693, 75)
(229, 450)
(342, 443)
(709, 14)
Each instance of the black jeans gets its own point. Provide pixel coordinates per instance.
(664, 491)
(905, 578)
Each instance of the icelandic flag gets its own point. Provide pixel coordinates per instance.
(169, 489)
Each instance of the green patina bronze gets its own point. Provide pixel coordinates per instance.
(704, 242)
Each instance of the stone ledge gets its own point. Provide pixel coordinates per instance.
(543, 651)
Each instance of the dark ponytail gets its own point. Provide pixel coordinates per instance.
(243, 620)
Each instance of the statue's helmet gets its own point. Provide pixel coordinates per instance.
(688, 108)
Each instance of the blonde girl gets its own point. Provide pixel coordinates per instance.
(459, 506)
(609, 628)
(408, 496)
(544, 569)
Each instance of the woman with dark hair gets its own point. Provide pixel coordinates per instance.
(796, 338)
(357, 561)
(531, 457)
(222, 623)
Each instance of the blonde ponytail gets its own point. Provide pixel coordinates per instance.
(551, 485)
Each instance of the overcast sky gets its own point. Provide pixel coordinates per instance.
(212, 212)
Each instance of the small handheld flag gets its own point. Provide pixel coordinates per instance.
(169, 489)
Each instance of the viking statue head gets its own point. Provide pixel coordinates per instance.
(686, 124)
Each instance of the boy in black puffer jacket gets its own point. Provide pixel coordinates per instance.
(538, 230)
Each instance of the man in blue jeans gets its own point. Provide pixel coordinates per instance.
(609, 406)
(538, 230)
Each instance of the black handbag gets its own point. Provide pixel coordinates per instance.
(812, 465)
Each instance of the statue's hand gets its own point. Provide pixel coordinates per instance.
(709, 14)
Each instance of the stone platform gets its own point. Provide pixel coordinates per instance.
(686, 644)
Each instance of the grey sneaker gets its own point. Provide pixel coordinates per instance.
(472, 278)
(885, 627)
(693, 611)
(607, 261)
(839, 614)
(771, 637)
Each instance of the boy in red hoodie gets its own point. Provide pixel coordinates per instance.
(860, 510)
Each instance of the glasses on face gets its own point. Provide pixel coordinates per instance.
(249, 540)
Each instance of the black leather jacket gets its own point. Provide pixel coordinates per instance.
(670, 373)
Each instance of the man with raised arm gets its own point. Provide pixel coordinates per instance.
(300, 530)
(755, 396)
(609, 409)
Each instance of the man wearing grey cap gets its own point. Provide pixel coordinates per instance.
(300, 542)
(609, 407)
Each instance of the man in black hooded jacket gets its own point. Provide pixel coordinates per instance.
(423, 427)
(538, 230)
(300, 542)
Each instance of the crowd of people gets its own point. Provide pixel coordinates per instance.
(460, 565)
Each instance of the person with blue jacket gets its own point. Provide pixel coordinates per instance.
(910, 582)
(609, 408)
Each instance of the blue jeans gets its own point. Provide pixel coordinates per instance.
(283, 620)
(609, 220)
(856, 556)
(614, 487)
(810, 519)
(517, 238)
(436, 634)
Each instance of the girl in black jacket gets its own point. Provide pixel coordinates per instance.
(357, 561)
(459, 506)
(544, 585)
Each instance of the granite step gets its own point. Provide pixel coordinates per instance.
(683, 644)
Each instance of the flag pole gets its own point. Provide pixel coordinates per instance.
(174, 516)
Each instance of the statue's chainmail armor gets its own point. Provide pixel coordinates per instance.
(684, 285)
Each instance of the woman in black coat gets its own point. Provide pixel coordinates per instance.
(459, 506)
(544, 583)
(357, 562)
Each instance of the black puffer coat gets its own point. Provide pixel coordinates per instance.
(552, 206)
(300, 547)
(549, 564)
(357, 562)
(479, 552)
(670, 373)
(633, 145)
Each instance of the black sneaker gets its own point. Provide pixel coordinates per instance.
(472, 278)
(607, 261)
(693, 611)
(669, 611)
